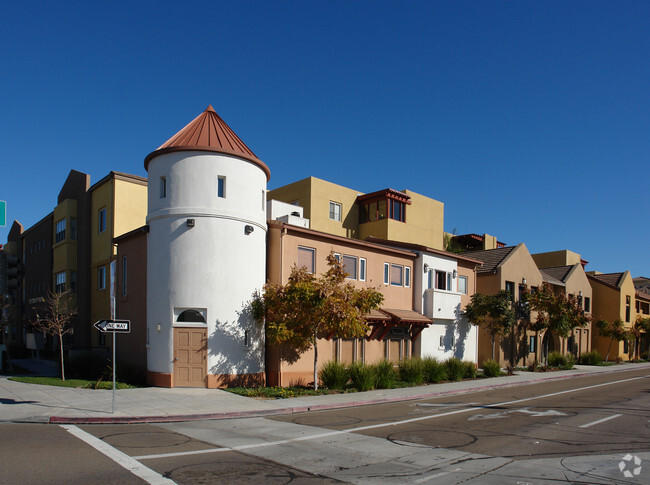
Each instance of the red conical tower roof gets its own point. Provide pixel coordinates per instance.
(209, 133)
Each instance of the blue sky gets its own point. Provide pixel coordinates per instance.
(529, 120)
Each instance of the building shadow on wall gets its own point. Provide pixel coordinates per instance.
(236, 351)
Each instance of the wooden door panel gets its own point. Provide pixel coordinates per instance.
(190, 357)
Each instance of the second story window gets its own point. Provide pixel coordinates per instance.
(102, 220)
(335, 211)
(221, 187)
(587, 304)
(462, 285)
(163, 187)
(60, 231)
(59, 287)
(307, 259)
(73, 229)
(101, 278)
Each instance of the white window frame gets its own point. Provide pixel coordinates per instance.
(386, 273)
(362, 269)
(351, 276)
(401, 267)
(59, 282)
(313, 258)
(59, 232)
(466, 280)
(337, 209)
(407, 276)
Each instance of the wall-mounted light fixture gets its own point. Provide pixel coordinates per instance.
(455, 273)
(158, 327)
(248, 229)
(190, 223)
(523, 281)
(426, 268)
(580, 294)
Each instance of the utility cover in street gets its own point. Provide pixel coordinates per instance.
(119, 326)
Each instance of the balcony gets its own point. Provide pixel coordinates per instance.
(441, 304)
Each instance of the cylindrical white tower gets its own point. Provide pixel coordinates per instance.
(206, 255)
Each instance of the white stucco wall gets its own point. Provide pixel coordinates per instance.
(459, 338)
(214, 266)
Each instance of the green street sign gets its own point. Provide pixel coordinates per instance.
(3, 213)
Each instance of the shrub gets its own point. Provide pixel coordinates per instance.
(334, 375)
(591, 358)
(434, 370)
(645, 355)
(455, 369)
(491, 368)
(361, 376)
(570, 362)
(556, 359)
(533, 364)
(412, 370)
(469, 369)
(385, 375)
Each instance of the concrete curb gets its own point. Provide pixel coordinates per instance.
(306, 408)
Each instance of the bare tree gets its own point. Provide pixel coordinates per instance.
(55, 317)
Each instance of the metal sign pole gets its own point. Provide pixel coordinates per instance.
(113, 282)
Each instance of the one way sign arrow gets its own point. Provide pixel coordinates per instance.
(117, 326)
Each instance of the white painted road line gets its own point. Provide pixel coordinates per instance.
(122, 459)
(375, 426)
(600, 421)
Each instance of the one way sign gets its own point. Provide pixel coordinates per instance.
(117, 326)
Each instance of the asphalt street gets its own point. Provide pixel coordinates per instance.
(592, 429)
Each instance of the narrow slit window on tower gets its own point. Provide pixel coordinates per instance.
(163, 187)
(221, 186)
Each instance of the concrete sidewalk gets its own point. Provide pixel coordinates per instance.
(50, 404)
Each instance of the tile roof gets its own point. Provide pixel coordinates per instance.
(558, 272)
(208, 132)
(609, 279)
(549, 278)
(491, 258)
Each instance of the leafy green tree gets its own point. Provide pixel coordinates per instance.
(642, 325)
(55, 317)
(556, 312)
(613, 330)
(308, 307)
(493, 313)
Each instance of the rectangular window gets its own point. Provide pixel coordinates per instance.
(587, 304)
(350, 266)
(441, 280)
(60, 231)
(386, 273)
(627, 309)
(532, 344)
(462, 285)
(163, 187)
(60, 282)
(449, 287)
(306, 258)
(247, 339)
(510, 288)
(407, 276)
(102, 220)
(362, 269)
(73, 229)
(221, 187)
(335, 211)
(124, 275)
(397, 210)
(101, 278)
(263, 200)
(430, 279)
(396, 275)
(73, 281)
(441, 344)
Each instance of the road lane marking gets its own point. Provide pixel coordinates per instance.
(122, 459)
(376, 426)
(600, 420)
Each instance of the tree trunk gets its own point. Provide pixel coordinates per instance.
(611, 341)
(493, 345)
(61, 348)
(315, 344)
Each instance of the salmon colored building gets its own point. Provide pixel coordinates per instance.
(393, 329)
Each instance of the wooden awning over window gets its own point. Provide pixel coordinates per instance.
(385, 319)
